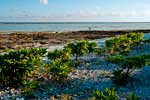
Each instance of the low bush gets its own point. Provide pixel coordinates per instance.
(59, 70)
(127, 65)
(124, 43)
(103, 51)
(15, 66)
(52, 55)
(147, 57)
(134, 62)
(118, 59)
(136, 38)
(132, 96)
(108, 94)
(63, 55)
(82, 47)
(91, 46)
(29, 87)
(98, 95)
(120, 77)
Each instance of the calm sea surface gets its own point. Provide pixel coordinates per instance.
(71, 26)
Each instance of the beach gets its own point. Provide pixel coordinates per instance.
(18, 40)
(91, 74)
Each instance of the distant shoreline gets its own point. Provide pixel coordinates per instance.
(110, 31)
(18, 40)
(71, 26)
(64, 22)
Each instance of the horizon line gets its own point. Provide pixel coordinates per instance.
(68, 22)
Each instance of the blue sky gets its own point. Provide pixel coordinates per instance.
(75, 10)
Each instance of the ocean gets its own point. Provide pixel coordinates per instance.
(71, 26)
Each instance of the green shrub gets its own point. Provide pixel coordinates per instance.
(81, 47)
(118, 44)
(125, 51)
(123, 43)
(136, 61)
(116, 59)
(99, 51)
(136, 37)
(29, 87)
(64, 54)
(15, 66)
(54, 54)
(91, 46)
(147, 57)
(98, 95)
(120, 77)
(59, 70)
(132, 96)
(103, 51)
(108, 94)
(127, 65)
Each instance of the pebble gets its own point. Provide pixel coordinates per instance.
(88, 78)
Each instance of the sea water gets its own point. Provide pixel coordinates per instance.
(71, 26)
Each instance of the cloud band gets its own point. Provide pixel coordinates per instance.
(45, 2)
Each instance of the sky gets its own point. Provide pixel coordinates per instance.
(74, 10)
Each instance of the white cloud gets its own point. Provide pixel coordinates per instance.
(45, 2)
(86, 14)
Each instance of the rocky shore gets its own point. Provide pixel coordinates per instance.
(17, 40)
(94, 73)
